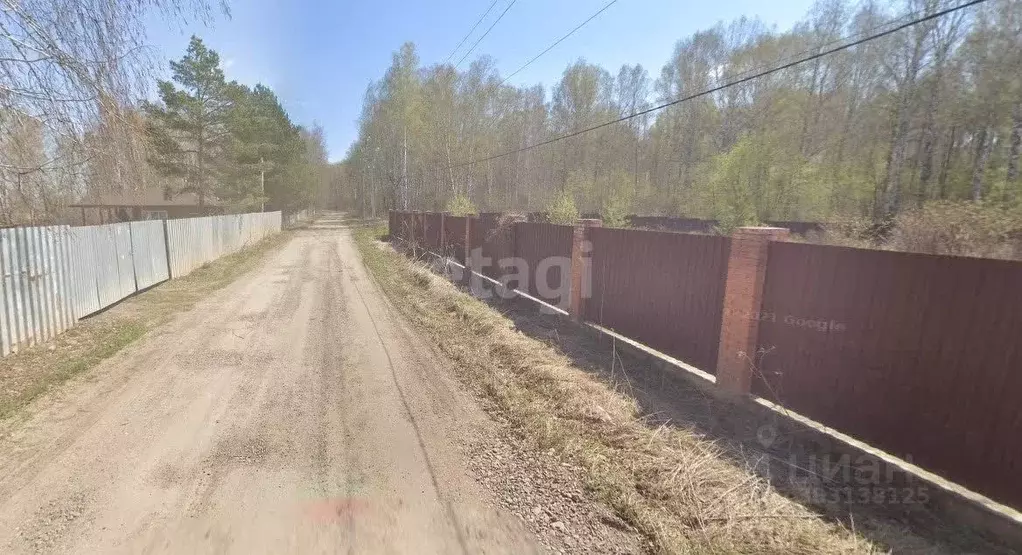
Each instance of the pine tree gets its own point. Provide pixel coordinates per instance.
(264, 144)
(189, 128)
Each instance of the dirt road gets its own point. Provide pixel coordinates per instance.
(291, 412)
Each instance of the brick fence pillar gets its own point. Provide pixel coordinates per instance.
(743, 297)
(580, 259)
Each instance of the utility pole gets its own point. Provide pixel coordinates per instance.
(262, 184)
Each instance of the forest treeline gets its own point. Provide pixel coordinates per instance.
(78, 117)
(924, 117)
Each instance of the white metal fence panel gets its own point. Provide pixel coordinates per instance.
(185, 245)
(85, 270)
(52, 276)
(149, 253)
(34, 289)
(103, 266)
(108, 278)
(125, 266)
(193, 242)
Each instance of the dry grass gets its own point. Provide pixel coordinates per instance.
(30, 373)
(672, 485)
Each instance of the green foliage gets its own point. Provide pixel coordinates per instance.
(858, 135)
(614, 210)
(617, 193)
(460, 205)
(189, 129)
(264, 145)
(225, 139)
(563, 210)
(580, 186)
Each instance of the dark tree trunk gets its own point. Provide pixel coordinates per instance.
(928, 142)
(945, 165)
(983, 143)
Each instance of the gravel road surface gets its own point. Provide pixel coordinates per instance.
(292, 411)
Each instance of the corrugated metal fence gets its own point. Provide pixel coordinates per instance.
(663, 289)
(195, 241)
(103, 269)
(536, 243)
(52, 276)
(35, 292)
(917, 354)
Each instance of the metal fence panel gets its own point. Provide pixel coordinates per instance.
(108, 283)
(125, 267)
(663, 289)
(65, 274)
(193, 242)
(912, 353)
(85, 268)
(12, 331)
(51, 276)
(494, 236)
(536, 243)
(185, 245)
(36, 305)
(454, 237)
(149, 253)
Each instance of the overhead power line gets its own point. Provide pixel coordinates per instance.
(472, 30)
(494, 24)
(559, 41)
(729, 84)
(816, 48)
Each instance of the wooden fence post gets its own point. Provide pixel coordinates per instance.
(743, 298)
(579, 262)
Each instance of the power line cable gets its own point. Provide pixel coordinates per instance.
(816, 48)
(559, 41)
(470, 31)
(729, 84)
(494, 24)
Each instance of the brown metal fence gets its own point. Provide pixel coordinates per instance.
(454, 237)
(419, 229)
(534, 243)
(665, 290)
(919, 355)
(495, 237)
(431, 232)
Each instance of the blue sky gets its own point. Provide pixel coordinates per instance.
(320, 55)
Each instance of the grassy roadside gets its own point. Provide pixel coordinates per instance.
(30, 373)
(670, 484)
